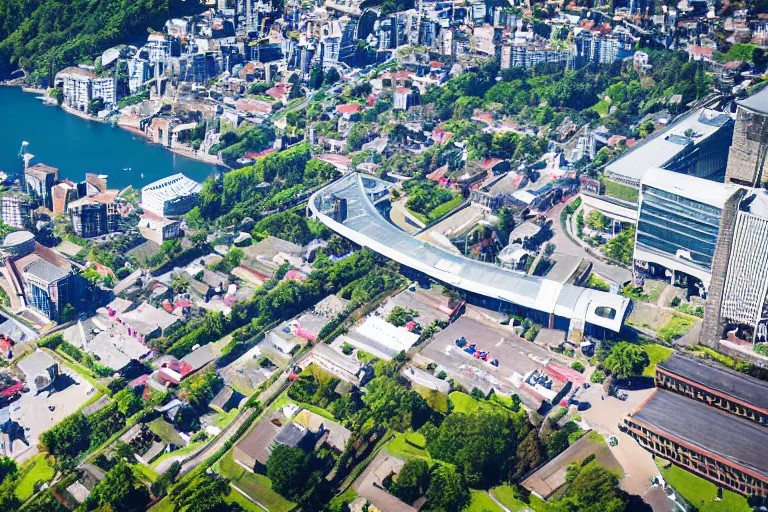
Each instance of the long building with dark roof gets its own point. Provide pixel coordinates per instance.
(716, 386)
(716, 445)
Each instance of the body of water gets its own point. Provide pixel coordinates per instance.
(76, 146)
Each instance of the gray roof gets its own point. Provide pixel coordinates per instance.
(199, 357)
(740, 441)
(721, 379)
(660, 148)
(17, 237)
(291, 435)
(757, 102)
(45, 271)
(365, 226)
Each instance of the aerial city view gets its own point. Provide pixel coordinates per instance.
(383, 255)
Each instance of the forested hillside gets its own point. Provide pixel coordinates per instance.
(34, 33)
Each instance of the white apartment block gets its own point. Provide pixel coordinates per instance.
(80, 86)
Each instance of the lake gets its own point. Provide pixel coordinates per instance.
(76, 146)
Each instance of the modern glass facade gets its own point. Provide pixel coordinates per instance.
(678, 228)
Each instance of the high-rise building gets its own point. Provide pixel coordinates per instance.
(39, 180)
(746, 161)
(16, 210)
(738, 302)
(95, 215)
(678, 225)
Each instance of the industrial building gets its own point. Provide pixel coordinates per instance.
(346, 207)
(708, 420)
(678, 225)
(171, 196)
(715, 385)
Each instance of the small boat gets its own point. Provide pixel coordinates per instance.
(142, 175)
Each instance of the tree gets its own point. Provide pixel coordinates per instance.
(120, 490)
(447, 491)
(7, 467)
(391, 405)
(57, 94)
(331, 77)
(316, 77)
(204, 494)
(626, 360)
(287, 469)
(597, 221)
(68, 313)
(412, 481)
(478, 444)
(95, 106)
(592, 488)
(530, 454)
(127, 402)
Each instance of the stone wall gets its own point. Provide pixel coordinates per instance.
(750, 129)
(712, 328)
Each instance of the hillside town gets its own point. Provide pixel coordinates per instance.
(450, 256)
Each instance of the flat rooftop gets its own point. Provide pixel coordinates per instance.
(740, 441)
(660, 148)
(757, 102)
(723, 380)
(365, 226)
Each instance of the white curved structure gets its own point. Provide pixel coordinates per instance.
(363, 224)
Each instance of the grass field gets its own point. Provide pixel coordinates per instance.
(601, 107)
(191, 447)
(482, 502)
(701, 493)
(164, 505)
(596, 283)
(677, 326)
(347, 496)
(39, 468)
(510, 498)
(256, 486)
(657, 354)
(235, 497)
(145, 473)
(436, 400)
(403, 450)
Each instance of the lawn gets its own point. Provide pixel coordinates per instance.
(601, 107)
(166, 431)
(677, 326)
(596, 283)
(436, 400)
(164, 505)
(701, 493)
(510, 498)
(39, 468)
(657, 354)
(403, 450)
(144, 472)
(285, 400)
(191, 447)
(347, 496)
(256, 486)
(444, 208)
(235, 497)
(620, 191)
(482, 502)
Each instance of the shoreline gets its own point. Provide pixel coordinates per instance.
(87, 117)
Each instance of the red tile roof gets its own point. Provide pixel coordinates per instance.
(348, 108)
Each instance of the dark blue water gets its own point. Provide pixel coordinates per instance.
(77, 146)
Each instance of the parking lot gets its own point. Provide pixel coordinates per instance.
(515, 355)
(32, 414)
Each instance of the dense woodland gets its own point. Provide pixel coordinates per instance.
(37, 34)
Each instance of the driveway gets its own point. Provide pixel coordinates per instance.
(569, 250)
(605, 417)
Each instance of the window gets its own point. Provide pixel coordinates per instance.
(605, 312)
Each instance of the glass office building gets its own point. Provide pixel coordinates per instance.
(678, 225)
